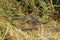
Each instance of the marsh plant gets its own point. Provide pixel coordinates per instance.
(19, 19)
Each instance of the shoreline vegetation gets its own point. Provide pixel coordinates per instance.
(29, 19)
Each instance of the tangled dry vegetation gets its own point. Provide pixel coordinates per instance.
(29, 20)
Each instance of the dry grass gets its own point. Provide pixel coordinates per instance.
(35, 14)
